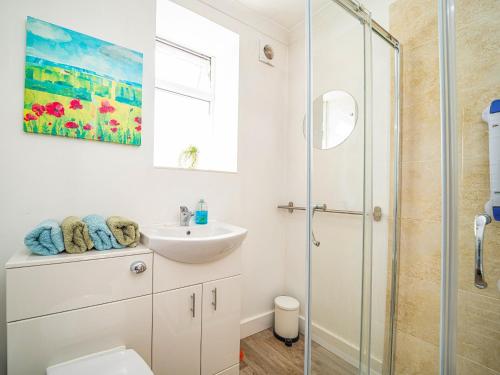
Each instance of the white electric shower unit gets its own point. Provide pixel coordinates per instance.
(491, 115)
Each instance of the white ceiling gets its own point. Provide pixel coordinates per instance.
(286, 13)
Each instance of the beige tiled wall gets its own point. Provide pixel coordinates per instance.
(414, 23)
(478, 72)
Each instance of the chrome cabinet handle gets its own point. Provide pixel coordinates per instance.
(480, 223)
(214, 302)
(138, 267)
(193, 305)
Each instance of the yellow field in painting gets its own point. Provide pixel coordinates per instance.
(120, 126)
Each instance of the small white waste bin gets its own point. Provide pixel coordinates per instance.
(286, 319)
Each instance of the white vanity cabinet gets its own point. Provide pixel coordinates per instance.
(196, 328)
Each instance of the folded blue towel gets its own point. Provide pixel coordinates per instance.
(45, 239)
(100, 234)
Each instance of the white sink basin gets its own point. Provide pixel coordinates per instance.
(193, 244)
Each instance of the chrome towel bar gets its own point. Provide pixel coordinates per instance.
(377, 211)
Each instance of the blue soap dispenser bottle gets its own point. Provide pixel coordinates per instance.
(201, 216)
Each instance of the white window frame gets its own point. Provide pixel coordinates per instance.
(189, 91)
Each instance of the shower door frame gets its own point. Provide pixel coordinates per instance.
(449, 187)
(364, 16)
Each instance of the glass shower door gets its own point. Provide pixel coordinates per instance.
(341, 192)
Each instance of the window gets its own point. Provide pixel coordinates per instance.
(182, 71)
(184, 94)
(196, 95)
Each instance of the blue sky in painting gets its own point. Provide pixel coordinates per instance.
(64, 46)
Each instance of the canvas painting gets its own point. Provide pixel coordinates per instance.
(81, 87)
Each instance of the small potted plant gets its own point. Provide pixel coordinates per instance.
(189, 157)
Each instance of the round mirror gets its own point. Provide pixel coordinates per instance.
(334, 117)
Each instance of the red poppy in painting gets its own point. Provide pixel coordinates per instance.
(75, 104)
(114, 130)
(87, 127)
(138, 120)
(30, 117)
(113, 122)
(55, 109)
(71, 125)
(38, 109)
(138, 128)
(106, 107)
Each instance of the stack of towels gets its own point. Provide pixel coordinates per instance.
(77, 236)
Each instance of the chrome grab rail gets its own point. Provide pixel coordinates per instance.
(480, 223)
(377, 211)
(377, 214)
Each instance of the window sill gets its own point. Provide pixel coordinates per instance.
(195, 169)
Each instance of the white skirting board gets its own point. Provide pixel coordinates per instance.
(256, 324)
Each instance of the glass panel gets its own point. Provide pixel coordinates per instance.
(339, 181)
(414, 24)
(366, 270)
(477, 37)
(352, 256)
(180, 67)
(385, 160)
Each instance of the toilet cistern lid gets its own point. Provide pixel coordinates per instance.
(118, 361)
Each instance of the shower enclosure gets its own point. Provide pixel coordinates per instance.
(402, 273)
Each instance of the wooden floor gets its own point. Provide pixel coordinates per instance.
(264, 354)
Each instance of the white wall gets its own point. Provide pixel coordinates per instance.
(338, 181)
(52, 177)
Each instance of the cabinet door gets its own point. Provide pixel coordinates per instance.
(221, 325)
(177, 331)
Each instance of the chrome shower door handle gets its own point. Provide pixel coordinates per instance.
(480, 223)
(318, 207)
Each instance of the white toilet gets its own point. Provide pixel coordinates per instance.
(118, 361)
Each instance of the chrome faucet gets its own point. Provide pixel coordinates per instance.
(185, 216)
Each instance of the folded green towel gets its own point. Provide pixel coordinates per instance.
(125, 231)
(76, 235)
